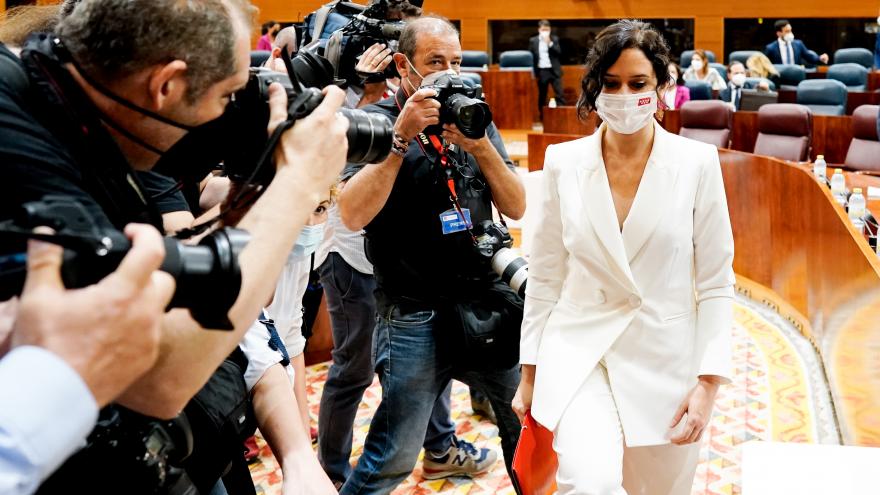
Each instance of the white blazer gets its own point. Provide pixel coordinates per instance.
(655, 301)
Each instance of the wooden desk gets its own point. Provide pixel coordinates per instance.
(792, 238)
(513, 98)
(854, 99)
(564, 120)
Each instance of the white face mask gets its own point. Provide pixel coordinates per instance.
(627, 114)
(788, 37)
(697, 65)
(308, 241)
(431, 78)
(738, 79)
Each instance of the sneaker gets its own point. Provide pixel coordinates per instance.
(461, 459)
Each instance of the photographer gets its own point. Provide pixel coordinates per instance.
(73, 351)
(422, 271)
(127, 80)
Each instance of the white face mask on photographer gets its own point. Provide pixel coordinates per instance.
(627, 114)
(308, 241)
(426, 80)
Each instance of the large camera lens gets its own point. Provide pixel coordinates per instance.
(369, 136)
(472, 116)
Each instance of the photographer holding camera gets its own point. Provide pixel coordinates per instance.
(73, 350)
(122, 82)
(418, 208)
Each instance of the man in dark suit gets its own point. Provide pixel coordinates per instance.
(736, 82)
(545, 52)
(787, 50)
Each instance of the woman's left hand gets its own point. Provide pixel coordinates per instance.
(698, 406)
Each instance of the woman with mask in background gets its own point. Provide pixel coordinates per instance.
(701, 71)
(676, 93)
(626, 336)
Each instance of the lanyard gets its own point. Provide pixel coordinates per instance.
(443, 152)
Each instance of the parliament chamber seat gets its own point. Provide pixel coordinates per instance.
(516, 60)
(755, 80)
(474, 61)
(473, 78)
(741, 56)
(721, 68)
(784, 131)
(854, 76)
(686, 56)
(790, 75)
(864, 150)
(861, 56)
(823, 96)
(700, 90)
(707, 121)
(259, 57)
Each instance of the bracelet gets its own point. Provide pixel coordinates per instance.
(399, 145)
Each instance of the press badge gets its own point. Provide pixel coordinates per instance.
(452, 221)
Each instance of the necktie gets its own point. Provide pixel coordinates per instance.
(790, 51)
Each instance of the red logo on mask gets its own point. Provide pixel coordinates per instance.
(645, 101)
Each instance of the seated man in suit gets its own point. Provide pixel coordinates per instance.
(787, 50)
(548, 70)
(736, 77)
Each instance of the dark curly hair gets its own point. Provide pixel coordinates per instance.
(610, 43)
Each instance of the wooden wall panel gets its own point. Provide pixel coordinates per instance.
(708, 16)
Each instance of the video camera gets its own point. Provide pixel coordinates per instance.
(462, 105)
(208, 276)
(495, 243)
(367, 25)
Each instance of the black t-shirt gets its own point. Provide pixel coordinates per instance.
(51, 143)
(413, 260)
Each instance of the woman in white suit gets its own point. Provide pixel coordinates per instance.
(626, 335)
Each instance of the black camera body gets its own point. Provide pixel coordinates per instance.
(462, 105)
(495, 243)
(369, 134)
(208, 275)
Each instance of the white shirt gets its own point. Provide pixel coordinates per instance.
(287, 308)
(46, 414)
(261, 357)
(786, 50)
(544, 54)
(349, 244)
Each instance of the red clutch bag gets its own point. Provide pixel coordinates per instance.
(534, 462)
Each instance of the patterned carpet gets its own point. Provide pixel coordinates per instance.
(778, 394)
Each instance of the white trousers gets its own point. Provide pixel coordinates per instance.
(593, 459)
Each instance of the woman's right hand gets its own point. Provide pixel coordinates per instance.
(522, 401)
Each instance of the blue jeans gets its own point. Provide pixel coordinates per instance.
(352, 309)
(413, 375)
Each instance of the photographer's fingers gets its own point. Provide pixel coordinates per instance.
(424, 94)
(333, 100)
(145, 256)
(277, 106)
(43, 263)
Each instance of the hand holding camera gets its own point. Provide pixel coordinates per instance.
(374, 60)
(316, 161)
(108, 332)
(475, 146)
(421, 110)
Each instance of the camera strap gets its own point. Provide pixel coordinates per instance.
(443, 152)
